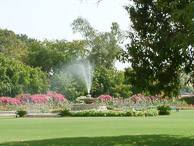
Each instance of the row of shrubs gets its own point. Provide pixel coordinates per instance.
(161, 110)
(94, 113)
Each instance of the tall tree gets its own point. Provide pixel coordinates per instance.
(17, 78)
(162, 40)
(104, 46)
(110, 81)
(25, 39)
(11, 46)
(51, 55)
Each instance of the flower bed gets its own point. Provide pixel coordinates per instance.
(51, 101)
(139, 101)
(38, 102)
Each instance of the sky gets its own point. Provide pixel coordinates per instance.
(51, 19)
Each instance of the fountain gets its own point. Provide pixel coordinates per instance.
(89, 99)
(87, 71)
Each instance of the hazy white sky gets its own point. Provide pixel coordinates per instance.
(51, 19)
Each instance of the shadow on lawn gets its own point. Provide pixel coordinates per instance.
(126, 140)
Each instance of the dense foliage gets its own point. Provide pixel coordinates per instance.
(11, 46)
(52, 55)
(161, 47)
(110, 81)
(164, 110)
(17, 78)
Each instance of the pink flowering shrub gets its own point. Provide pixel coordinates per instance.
(35, 99)
(56, 97)
(4, 101)
(140, 99)
(135, 99)
(24, 98)
(9, 101)
(118, 100)
(14, 101)
(39, 98)
(105, 98)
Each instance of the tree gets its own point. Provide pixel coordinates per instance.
(104, 46)
(101, 81)
(50, 56)
(40, 55)
(161, 44)
(110, 81)
(25, 39)
(120, 86)
(17, 78)
(11, 46)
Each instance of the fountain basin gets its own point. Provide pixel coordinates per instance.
(78, 107)
(89, 100)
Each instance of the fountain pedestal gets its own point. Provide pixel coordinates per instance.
(89, 99)
(89, 104)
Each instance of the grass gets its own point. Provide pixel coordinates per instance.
(176, 129)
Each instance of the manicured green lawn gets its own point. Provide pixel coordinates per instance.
(176, 129)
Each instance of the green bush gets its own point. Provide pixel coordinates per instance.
(141, 114)
(21, 113)
(128, 113)
(122, 113)
(151, 112)
(101, 114)
(164, 110)
(111, 114)
(110, 107)
(65, 112)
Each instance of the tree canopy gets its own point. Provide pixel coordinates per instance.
(161, 47)
(110, 81)
(104, 46)
(17, 78)
(10, 45)
(28, 65)
(51, 55)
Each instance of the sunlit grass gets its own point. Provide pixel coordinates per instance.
(177, 129)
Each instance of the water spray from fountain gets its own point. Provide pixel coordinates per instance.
(81, 71)
(87, 70)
